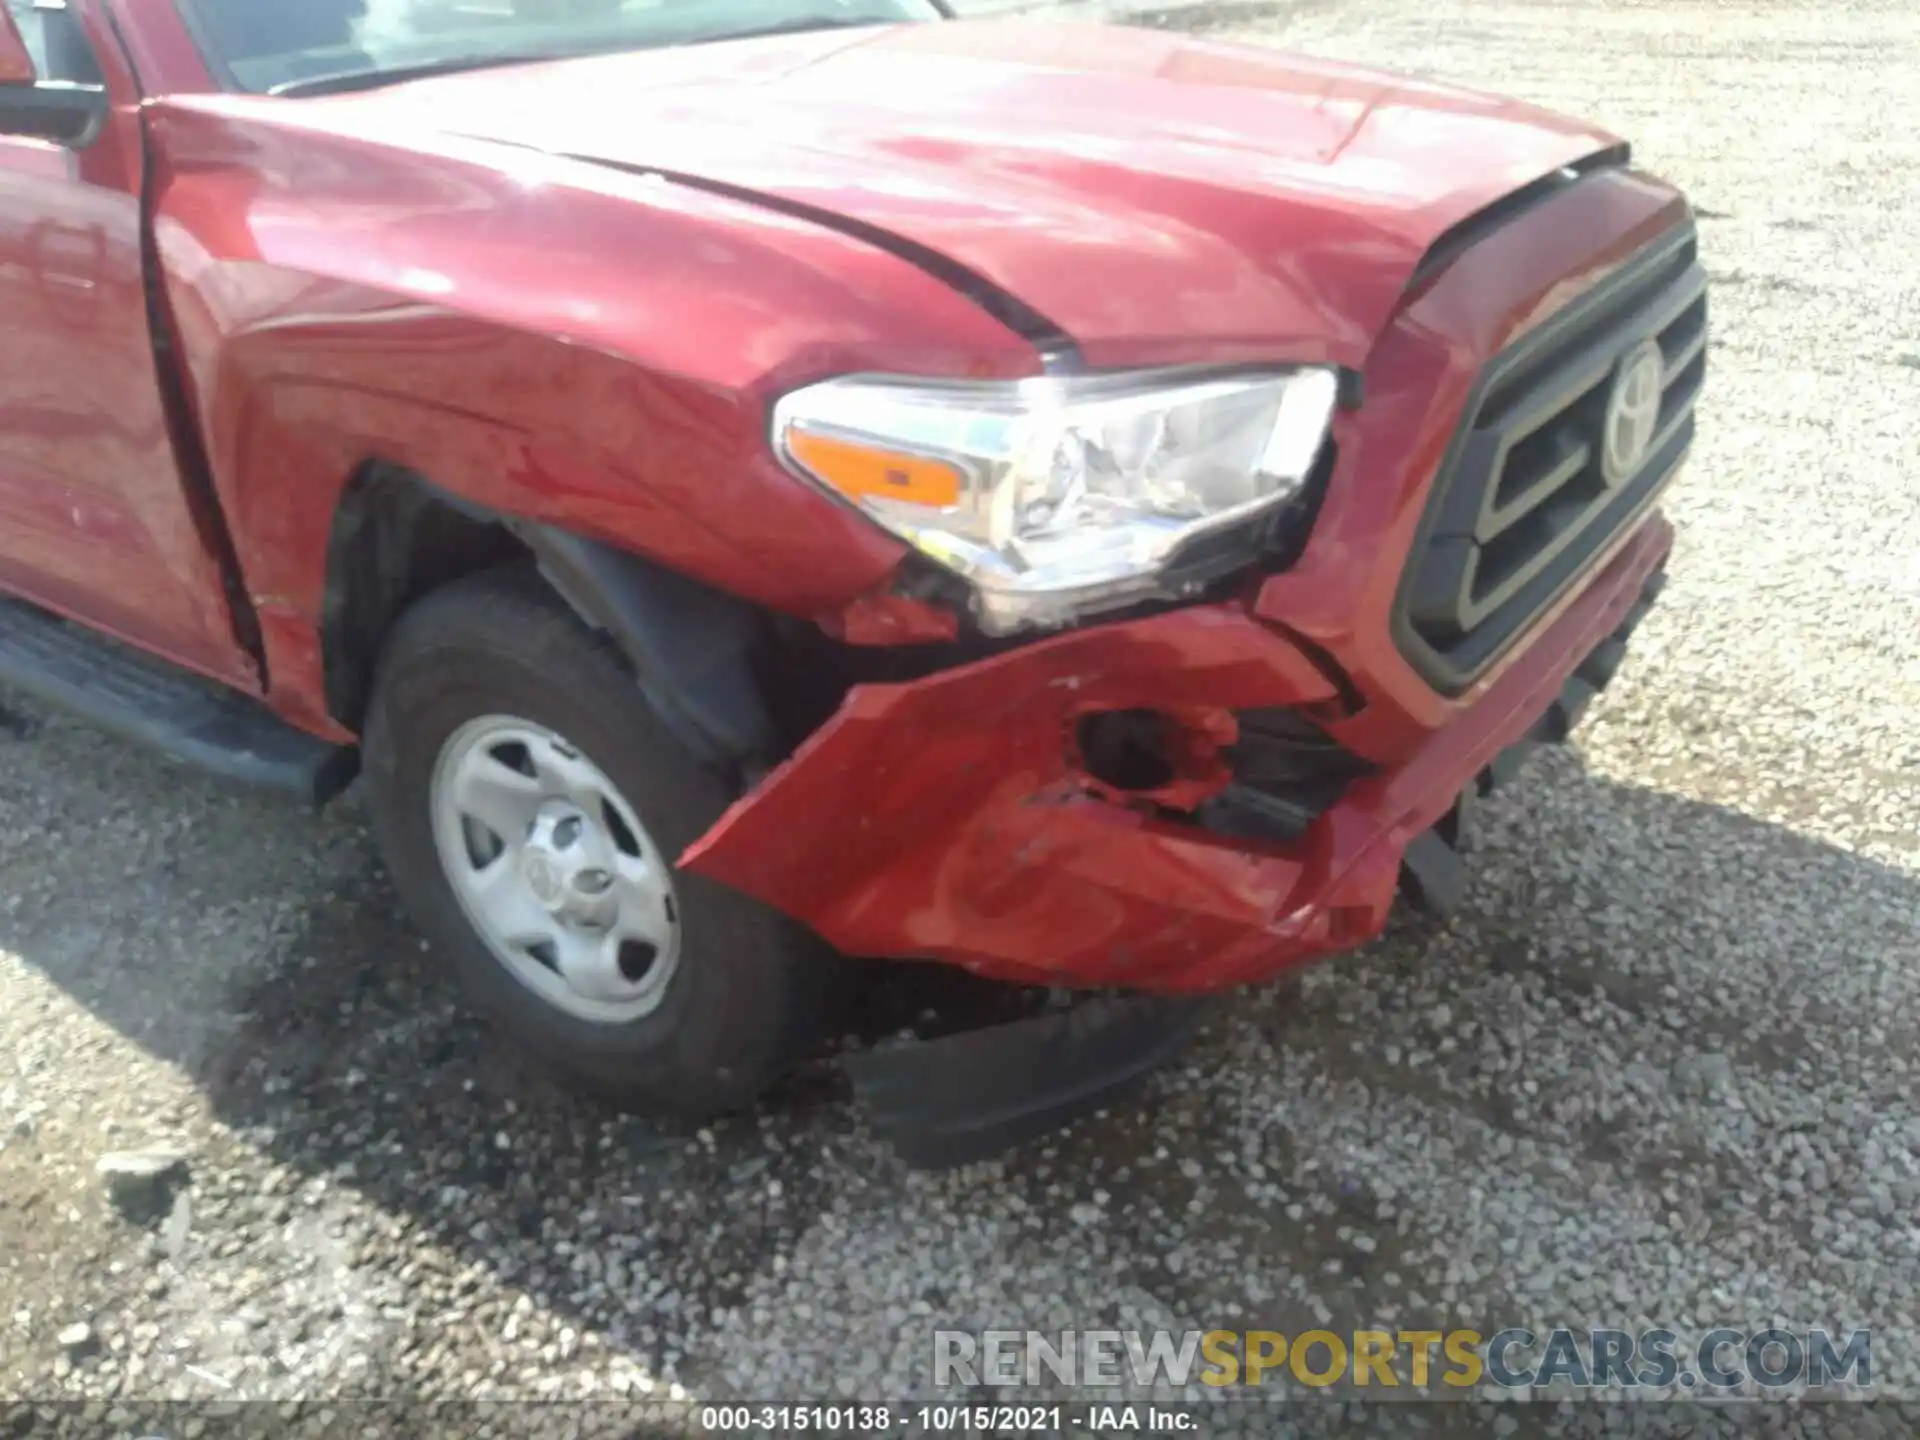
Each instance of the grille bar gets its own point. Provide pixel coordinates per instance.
(1524, 503)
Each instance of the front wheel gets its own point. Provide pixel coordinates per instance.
(530, 805)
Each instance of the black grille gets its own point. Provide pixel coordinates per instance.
(1525, 501)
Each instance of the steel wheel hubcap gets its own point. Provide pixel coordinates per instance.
(554, 870)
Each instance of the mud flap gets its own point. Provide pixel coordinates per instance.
(966, 1097)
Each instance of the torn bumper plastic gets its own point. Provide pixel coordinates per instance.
(948, 819)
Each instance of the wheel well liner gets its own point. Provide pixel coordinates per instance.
(397, 536)
(394, 538)
(691, 647)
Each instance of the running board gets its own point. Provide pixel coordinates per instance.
(191, 720)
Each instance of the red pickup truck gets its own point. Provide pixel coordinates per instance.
(1078, 504)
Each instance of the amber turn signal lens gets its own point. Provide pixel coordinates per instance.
(858, 471)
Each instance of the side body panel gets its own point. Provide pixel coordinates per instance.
(97, 524)
(555, 342)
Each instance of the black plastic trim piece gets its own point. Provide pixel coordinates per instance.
(1287, 773)
(966, 1097)
(1241, 812)
(1432, 875)
(54, 110)
(193, 720)
(691, 647)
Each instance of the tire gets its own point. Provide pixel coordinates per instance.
(745, 995)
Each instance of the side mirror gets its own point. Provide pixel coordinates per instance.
(66, 114)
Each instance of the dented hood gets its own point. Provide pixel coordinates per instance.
(1153, 198)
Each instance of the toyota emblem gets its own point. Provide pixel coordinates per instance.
(1633, 412)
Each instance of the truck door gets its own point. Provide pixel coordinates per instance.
(94, 520)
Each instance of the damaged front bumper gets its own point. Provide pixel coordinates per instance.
(953, 818)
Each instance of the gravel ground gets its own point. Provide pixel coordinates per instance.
(1660, 1070)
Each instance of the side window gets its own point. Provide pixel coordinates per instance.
(58, 44)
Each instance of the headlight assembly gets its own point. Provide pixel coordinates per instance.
(1057, 497)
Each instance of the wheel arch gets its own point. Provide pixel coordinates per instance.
(396, 537)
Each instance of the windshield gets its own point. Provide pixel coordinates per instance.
(273, 44)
